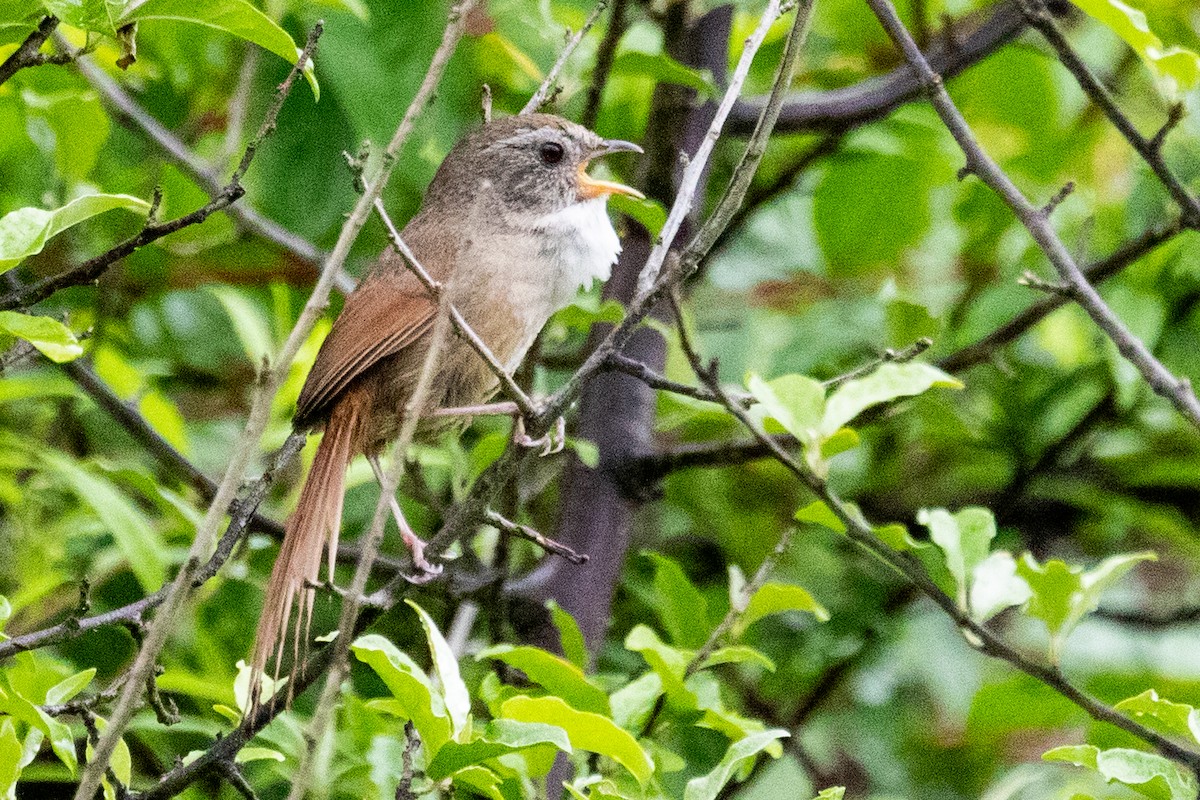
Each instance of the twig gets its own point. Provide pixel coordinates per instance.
(875, 98)
(525, 532)
(1162, 381)
(404, 790)
(128, 110)
(27, 54)
(605, 56)
(543, 92)
(622, 363)
(1097, 272)
(351, 606)
(436, 290)
(1149, 149)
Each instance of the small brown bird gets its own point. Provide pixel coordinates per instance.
(515, 226)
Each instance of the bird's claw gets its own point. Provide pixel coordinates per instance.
(425, 571)
(553, 442)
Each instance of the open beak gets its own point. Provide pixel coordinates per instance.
(590, 187)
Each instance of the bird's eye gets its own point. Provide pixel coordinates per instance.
(551, 152)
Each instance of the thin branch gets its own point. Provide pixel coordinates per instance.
(247, 445)
(545, 91)
(875, 98)
(511, 528)
(618, 362)
(27, 54)
(1162, 381)
(1150, 150)
(862, 534)
(127, 109)
(1152, 620)
(1097, 272)
(605, 56)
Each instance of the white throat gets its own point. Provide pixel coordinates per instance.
(581, 241)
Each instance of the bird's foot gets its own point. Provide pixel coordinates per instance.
(425, 571)
(553, 442)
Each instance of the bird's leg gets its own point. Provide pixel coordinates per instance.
(416, 546)
(552, 442)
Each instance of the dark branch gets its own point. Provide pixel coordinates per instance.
(27, 54)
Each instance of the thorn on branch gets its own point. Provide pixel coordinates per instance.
(1058, 198)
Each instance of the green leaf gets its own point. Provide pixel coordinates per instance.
(832, 793)
(996, 586)
(708, 787)
(121, 763)
(1147, 773)
(64, 690)
(10, 760)
(796, 402)
(965, 538)
(53, 339)
(569, 636)
(248, 754)
(480, 781)
(501, 736)
(251, 326)
(415, 698)
(818, 513)
(558, 676)
(62, 741)
(1062, 595)
(738, 654)
(89, 15)
(1176, 719)
(79, 124)
(670, 663)
(776, 598)
(648, 213)
(586, 731)
(140, 543)
(454, 691)
(888, 382)
(633, 703)
(678, 603)
(236, 17)
(664, 69)
(1176, 68)
(24, 232)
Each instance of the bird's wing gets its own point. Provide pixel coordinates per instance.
(387, 313)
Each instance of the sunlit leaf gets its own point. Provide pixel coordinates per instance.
(586, 731)
(887, 382)
(248, 754)
(24, 232)
(48, 335)
(670, 663)
(965, 538)
(1177, 68)
(678, 603)
(818, 513)
(236, 17)
(501, 736)
(569, 636)
(1176, 719)
(738, 654)
(708, 787)
(996, 586)
(776, 598)
(556, 675)
(414, 694)
(1149, 773)
(663, 69)
(454, 691)
(10, 760)
(66, 689)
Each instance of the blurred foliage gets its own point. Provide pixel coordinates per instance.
(1034, 492)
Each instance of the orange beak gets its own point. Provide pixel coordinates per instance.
(590, 187)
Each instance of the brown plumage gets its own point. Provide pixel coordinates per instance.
(513, 224)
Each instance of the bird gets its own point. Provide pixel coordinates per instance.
(515, 226)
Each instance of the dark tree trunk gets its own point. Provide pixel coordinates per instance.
(598, 510)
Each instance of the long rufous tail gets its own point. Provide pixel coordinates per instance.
(315, 523)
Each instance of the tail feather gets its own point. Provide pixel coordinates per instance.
(315, 523)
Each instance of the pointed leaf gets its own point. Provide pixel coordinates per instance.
(10, 760)
(1176, 68)
(454, 691)
(965, 538)
(569, 636)
(414, 696)
(501, 736)
(708, 787)
(237, 17)
(1176, 719)
(796, 402)
(556, 675)
(679, 605)
(585, 730)
(24, 232)
(53, 339)
(64, 690)
(818, 513)
(889, 382)
(776, 598)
